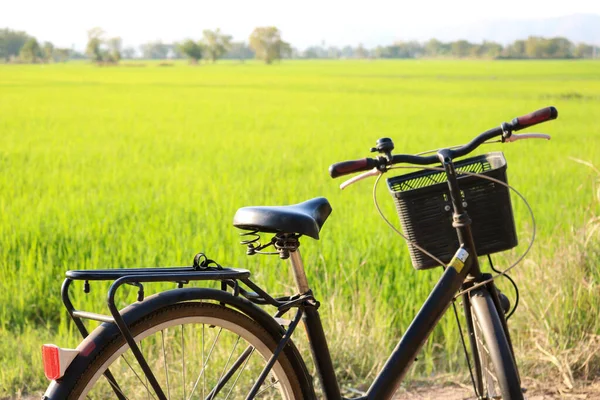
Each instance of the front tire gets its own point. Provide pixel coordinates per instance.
(498, 367)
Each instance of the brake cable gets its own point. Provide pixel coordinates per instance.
(453, 147)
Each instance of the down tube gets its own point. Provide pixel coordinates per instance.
(404, 354)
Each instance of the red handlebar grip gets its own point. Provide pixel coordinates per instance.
(348, 167)
(536, 117)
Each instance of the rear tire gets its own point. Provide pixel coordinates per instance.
(498, 368)
(180, 369)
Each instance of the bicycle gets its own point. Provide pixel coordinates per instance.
(165, 346)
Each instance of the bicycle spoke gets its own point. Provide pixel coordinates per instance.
(217, 359)
(220, 382)
(203, 365)
(116, 388)
(491, 381)
(147, 389)
(183, 360)
(272, 385)
(137, 376)
(162, 334)
(241, 371)
(205, 362)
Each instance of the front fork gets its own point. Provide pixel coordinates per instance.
(460, 219)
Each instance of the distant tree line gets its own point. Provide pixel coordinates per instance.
(532, 48)
(18, 46)
(266, 44)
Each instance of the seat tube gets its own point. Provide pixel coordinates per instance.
(315, 332)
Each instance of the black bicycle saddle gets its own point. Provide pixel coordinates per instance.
(305, 218)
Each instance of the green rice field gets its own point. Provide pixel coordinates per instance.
(142, 165)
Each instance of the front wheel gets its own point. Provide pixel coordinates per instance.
(196, 350)
(499, 373)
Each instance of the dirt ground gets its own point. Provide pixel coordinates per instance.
(429, 391)
(535, 391)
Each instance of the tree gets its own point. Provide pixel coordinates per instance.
(93, 49)
(175, 51)
(313, 52)
(347, 52)
(584, 51)
(215, 44)
(115, 46)
(11, 43)
(155, 50)
(239, 50)
(285, 50)
(31, 51)
(516, 50)
(406, 50)
(461, 48)
(128, 52)
(48, 51)
(559, 47)
(62, 54)
(381, 52)
(361, 52)
(333, 52)
(488, 49)
(535, 47)
(433, 48)
(267, 44)
(192, 50)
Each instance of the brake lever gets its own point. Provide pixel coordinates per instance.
(360, 177)
(514, 137)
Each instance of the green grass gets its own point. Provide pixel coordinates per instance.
(128, 167)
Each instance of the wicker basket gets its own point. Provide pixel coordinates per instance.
(423, 203)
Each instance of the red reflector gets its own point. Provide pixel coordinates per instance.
(51, 359)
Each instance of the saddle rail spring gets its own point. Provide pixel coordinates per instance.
(284, 243)
(251, 239)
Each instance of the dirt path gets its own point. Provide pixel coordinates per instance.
(536, 391)
(427, 391)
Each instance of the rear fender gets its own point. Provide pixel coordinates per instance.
(91, 346)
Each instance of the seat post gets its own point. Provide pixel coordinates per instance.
(315, 333)
(298, 270)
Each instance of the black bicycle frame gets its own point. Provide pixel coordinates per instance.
(387, 381)
(464, 263)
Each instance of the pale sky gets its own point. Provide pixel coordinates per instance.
(336, 22)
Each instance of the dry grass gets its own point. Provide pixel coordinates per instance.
(561, 340)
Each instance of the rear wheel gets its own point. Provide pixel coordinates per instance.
(196, 351)
(499, 373)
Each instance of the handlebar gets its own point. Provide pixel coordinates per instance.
(505, 130)
(349, 167)
(534, 118)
